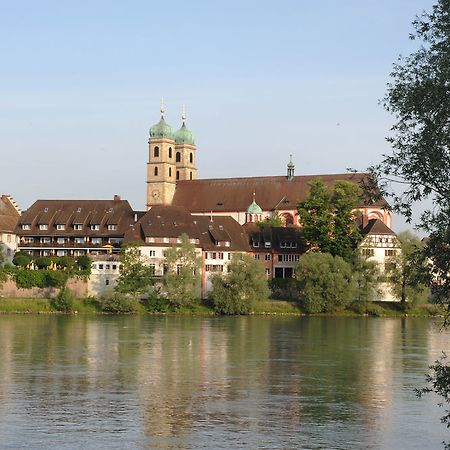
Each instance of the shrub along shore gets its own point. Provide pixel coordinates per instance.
(93, 306)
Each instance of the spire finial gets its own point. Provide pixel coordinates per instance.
(183, 114)
(254, 196)
(162, 107)
(290, 157)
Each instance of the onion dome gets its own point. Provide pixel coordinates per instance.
(161, 129)
(254, 208)
(183, 135)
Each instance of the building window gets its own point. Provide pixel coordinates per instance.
(108, 267)
(220, 255)
(96, 240)
(367, 252)
(191, 158)
(61, 252)
(8, 238)
(78, 240)
(178, 174)
(255, 244)
(170, 152)
(100, 266)
(25, 226)
(267, 244)
(79, 252)
(152, 269)
(170, 171)
(43, 226)
(152, 252)
(156, 171)
(106, 282)
(46, 240)
(190, 175)
(77, 226)
(61, 240)
(112, 227)
(95, 227)
(178, 157)
(257, 256)
(114, 267)
(156, 152)
(267, 272)
(267, 257)
(60, 226)
(390, 253)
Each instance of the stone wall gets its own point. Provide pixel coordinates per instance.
(10, 290)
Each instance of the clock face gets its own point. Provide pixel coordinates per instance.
(155, 193)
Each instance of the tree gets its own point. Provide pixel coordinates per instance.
(419, 97)
(325, 281)
(43, 262)
(135, 276)
(327, 219)
(366, 275)
(22, 259)
(237, 291)
(406, 271)
(182, 280)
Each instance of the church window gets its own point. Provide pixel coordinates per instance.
(170, 152)
(178, 157)
(170, 171)
(190, 175)
(191, 158)
(156, 171)
(156, 152)
(178, 174)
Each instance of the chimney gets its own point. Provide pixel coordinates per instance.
(117, 198)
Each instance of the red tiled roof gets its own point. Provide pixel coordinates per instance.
(377, 226)
(9, 216)
(236, 194)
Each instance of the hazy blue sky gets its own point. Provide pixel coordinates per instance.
(81, 82)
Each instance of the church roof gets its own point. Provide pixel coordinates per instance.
(232, 194)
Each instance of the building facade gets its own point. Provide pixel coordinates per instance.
(9, 217)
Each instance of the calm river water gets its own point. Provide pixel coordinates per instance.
(212, 383)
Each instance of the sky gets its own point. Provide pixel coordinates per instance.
(81, 83)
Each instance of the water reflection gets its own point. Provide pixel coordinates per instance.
(183, 382)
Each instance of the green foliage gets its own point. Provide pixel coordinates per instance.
(26, 279)
(155, 302)
(85, 263)
(284, 288)
(66, 262)
(135, 276)
(366, 276)
(43, 262)
(406, 271)
(21, 259)
(117, 303)
(325, 281)
(327, 219)
(275, 222)
(238, 291)
(54, 278)
(2, 254)
(182, 280)
(64, 301)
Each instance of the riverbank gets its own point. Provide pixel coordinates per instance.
(267, 307)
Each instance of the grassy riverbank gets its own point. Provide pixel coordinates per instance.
(268, 307)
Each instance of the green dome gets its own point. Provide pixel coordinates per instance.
(184, 136)
(254, 208)
(161, 130)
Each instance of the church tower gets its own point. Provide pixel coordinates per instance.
(161, 168)
(185, 158)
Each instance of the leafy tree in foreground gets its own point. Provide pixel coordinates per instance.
(135, 276)
(366, 277)
(182, 280)
(237, 291)
(327, 218)
(419, 97)
(325, 281)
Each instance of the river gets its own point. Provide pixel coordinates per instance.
(107, 382)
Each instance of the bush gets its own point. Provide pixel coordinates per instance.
(64, 301)
(66, 262)
(55, 278)
(284, 288)
(84, 263)
(325, 281)
(26, 279)
(43, 262)
(155, 302)
(116, 303)
(21, 259)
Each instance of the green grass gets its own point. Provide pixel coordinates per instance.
(25, 305)
(277, 307)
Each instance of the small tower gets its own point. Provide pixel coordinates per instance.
(185, 158)
(254, 211)
(161, 169)
(290, 170)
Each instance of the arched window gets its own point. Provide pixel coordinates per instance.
(156, 171)
(170, 171)
(190, 175)
(170, 152)
(288, 219)
(178, 157)
(191, 158)
(178, 174)
(156, 152)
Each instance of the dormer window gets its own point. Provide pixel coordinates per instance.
(112, 227)
(255, 244)
(60, 226)
(43, 226)
(267, 244)
(95, 227)
(26, 226)
(78, 226)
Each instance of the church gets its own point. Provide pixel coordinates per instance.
(172, 180)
